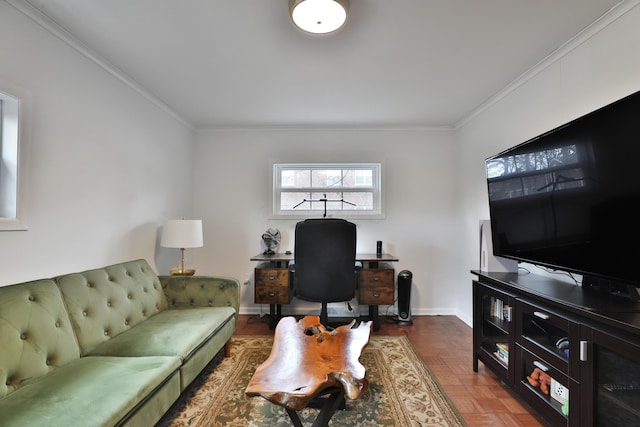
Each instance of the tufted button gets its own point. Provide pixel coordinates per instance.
(48, 362)
(108, 303)
(128, 273)
(126, 322)
(32, 298)
(84, 313)
(130, 296)
(23, 336)
(8, 382)
(57, 324)
(89, 284)
(106, 333)
(144, 313)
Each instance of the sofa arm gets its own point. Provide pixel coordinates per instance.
(201, 291)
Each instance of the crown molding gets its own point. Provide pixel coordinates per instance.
(594, 28)
(325, 128)
(37, 16)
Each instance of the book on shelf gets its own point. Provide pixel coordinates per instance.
(500, 310)
(502, 352)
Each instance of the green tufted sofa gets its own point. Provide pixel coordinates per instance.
(108, 347)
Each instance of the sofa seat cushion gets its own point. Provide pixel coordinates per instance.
(194, 335)
(178, 333)
(92, 391)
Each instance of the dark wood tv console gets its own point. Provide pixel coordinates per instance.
(574, 355)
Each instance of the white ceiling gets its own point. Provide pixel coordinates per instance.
(242, 63)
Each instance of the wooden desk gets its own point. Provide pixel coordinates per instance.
(282, 258)
(274, 283)
(307, 361)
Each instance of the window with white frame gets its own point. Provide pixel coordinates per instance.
(348, 190)
(12, 141)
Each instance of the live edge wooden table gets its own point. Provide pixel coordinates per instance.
(310, 364)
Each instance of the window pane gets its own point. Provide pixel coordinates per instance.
(333, 201)
(295, 178)
(334, 178)
(287, 178)
(363, 201)
(9, 110)
(323, 178)
(288, 200)
(306, 189)
(363, 177)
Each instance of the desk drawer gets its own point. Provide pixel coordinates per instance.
(376, 286)
(272, 286)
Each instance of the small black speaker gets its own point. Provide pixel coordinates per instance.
(404, 297)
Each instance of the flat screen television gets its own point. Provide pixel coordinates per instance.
(569, 199)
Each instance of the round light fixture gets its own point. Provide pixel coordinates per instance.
(318, 16)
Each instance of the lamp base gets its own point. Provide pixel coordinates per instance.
(182, 272)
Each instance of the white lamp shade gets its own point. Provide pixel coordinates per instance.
(182, 233)
(318, 16)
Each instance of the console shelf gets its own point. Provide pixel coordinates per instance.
(573, 355)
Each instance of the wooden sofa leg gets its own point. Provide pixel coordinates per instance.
(227, 349)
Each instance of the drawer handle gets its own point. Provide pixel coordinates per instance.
(273, 277)
(541, 366)
(541, 315)
(376, 294)
(583, 351)
(272, 294)
(376, 279)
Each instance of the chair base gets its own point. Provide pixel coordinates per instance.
(334, 322)
(324, 314)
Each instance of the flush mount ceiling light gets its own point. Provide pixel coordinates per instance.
(318, 16)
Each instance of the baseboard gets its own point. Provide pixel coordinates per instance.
(300, 311)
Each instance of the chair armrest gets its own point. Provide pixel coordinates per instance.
(201, 291)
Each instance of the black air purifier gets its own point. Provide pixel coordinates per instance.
(404, 298)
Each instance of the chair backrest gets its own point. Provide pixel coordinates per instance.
(325, 255)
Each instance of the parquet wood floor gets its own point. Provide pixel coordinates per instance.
(445, 344)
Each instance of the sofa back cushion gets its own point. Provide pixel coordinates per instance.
(107, 301)
(35, 333)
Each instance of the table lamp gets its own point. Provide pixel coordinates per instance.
(182, 233)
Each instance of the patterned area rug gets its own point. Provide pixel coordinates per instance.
(402, 391)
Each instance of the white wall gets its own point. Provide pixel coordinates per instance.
(232, 191)
(603, 67)
(103, 171)
(107, 167)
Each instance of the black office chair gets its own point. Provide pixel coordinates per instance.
(325, 268)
